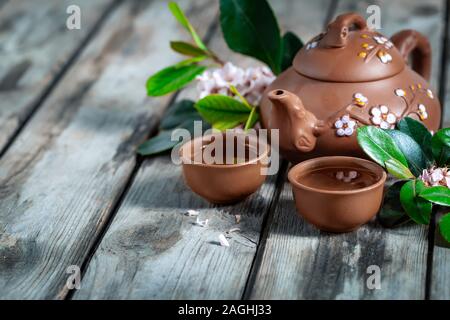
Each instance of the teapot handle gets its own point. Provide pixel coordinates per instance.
(411, 42)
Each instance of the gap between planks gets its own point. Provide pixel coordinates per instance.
(268, 219)
(211, 30)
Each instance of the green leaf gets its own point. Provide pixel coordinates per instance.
(178, 113)
(417, 209)
(444, 227)
(290, 45)
(162, 141)
(252, 119)
(398, 170)
(190, 61)
(250, 27)
(416, 158)
(379, 145)
(159, 143)
(181, 17)
(222, 112)
(439, 195)
(440, 144)
(416, 130)
(187, 49)
(392, 213)
(172, 78)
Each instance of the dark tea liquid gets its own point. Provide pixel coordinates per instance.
(338, 179)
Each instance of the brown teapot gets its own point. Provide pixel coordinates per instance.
(346, 77)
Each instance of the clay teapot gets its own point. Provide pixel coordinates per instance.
(346, 77)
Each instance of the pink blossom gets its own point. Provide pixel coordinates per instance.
(250, 82)
(436, 177)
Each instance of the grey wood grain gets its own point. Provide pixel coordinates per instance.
(440, 272)
(300, 262)
(152, 251)
(440, 278)
(35, 46)
(61, 178)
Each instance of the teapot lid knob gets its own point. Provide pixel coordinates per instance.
(337, 32)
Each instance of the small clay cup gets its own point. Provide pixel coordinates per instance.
(222, 183)
(337, 210)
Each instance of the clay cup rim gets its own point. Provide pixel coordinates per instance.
(199, 140)
(315, 163)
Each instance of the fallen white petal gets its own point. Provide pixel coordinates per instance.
(191, 213)
(223, 241)
(202, 223)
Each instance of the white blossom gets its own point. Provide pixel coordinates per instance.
(351, 175)
(382, 118)
(345, 126)
(360, 100)
(436, 177)
(250, 82)
(422, 111)
(400, 92)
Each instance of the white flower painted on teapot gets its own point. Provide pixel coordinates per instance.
(382, 118)
(345, 126)
(384, 41)
(360, 100)
(422, 111)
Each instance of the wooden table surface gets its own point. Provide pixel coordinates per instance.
(73, 109)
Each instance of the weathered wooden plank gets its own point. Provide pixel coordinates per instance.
(63, 175)
(156, 252)
(35, 46)
(300, 262)
(440, 276)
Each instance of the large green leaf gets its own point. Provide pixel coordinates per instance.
(416, 130)
(172, 78)
(187, 49)
(418, 209)
(440, 144)
(290, 45)
(439, 195)
(444, 227)
(250, 27)
(379, 145)
(397, 169)
(414, 154)
(392, 213)
(181, 17)
(178, 113)
(222, 112)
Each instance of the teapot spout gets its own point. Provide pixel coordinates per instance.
(298, 126)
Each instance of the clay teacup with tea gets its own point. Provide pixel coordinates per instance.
(337, 194)
(225, 168)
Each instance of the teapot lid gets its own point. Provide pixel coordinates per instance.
(349, 52)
